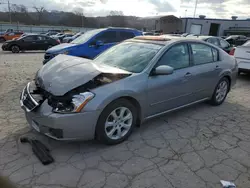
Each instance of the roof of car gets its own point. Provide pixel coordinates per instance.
(201, 37)
(158, 39)
(123, 28)
(163, 40)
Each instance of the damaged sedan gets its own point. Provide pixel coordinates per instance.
(105, 98)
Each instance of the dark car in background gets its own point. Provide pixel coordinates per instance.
(217, 41)
(236, 40)
(70, 39)
(29, 42)
(92, 43)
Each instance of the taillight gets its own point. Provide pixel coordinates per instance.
(232, 51)
(58, 41)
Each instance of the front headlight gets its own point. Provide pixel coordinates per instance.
(76, 105)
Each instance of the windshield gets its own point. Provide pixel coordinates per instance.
(129, 56)
(86, 36)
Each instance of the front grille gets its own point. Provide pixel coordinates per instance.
(27, 100)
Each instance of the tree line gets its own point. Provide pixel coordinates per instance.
(41, 16)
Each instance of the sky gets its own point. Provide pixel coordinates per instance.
(144, 8)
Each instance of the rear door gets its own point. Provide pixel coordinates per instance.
(40, 43)
(206, 69)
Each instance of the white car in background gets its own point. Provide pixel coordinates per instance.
(242, 55)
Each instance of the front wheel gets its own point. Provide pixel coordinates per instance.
(116, 122)
(15, 49)
(220, 92)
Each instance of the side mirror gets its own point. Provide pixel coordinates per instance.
(99, 43)
(163, 70)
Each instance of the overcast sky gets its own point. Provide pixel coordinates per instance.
(210, 8)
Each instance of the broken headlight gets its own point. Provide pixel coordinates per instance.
(76, 104)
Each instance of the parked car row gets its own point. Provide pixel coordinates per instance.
(106, 96)
(29, 42)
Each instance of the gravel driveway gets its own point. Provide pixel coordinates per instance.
(192, 148)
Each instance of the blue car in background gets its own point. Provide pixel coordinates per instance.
(92, 43)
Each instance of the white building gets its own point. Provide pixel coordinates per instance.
(216, 27)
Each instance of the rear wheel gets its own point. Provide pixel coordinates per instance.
(220, 92)
(116, 122)
(15, 49)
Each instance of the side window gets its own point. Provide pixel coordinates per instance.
(30, 38)
(176, 57)
(213, 41)
(126, 35)
(202, 54)
(11, 34)
(224, 44)
(107, 37)
(41, 38)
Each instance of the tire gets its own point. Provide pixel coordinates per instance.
(15, 49)
(2, 39)
(122, 124)
(220, 92)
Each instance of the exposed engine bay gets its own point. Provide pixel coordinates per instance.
(40, 94)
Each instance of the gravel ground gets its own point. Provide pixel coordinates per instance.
(192, 148)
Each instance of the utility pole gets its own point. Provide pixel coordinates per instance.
(9, 11)
(195, 7)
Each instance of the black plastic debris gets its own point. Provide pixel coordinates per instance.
(39, 149)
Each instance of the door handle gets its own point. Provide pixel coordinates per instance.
(217, 67)
(188, 74)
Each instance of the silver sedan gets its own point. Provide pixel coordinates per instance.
(141, 78)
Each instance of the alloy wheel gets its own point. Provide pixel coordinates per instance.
(15, 49)
(118, 123)
(221, 91)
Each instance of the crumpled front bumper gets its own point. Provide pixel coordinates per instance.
(71, 126)
(75, 126)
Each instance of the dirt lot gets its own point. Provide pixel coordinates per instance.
(193, 148)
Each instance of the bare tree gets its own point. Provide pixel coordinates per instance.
(117, 19)
(39, 11)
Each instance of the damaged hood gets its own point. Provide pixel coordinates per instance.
(64, 73)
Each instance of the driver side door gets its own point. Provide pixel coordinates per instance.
(166, 92)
